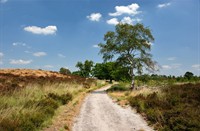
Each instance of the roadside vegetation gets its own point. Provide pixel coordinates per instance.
(167, 102)
(28, 102)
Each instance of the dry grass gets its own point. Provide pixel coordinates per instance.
(30, 98)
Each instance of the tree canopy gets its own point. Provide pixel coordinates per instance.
(130, 45)
(85, 68)
(111, 71)
(64, 71)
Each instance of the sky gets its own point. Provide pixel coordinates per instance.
(50, 34)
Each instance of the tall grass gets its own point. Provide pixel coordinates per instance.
(27, 109)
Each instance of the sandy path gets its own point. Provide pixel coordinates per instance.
(100, 113)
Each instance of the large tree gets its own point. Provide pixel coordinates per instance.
(85, 68)
(130, 45)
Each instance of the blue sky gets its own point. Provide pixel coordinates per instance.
(49, 34)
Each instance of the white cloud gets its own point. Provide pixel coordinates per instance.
(20, 62)
(163, 5)
(19, 44)
(166, 67)
(3, 1)
(171, 66)
(61, 56)
(48, 66)
(94, 17)
(196, 66)
(95, 46)
(113, 21)
(39, 54)
(1, 57)
(150, 43)
(171, 58)
(49, 30)
(1, 54)
(127, 20)
(176, 65)
(137, 19)
(129, 9)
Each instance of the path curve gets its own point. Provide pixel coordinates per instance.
(100, 113)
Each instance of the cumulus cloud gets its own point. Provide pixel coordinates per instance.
(94, 16)
(61, 56)
(196, 66)
(127, 20)
(95, 46)
(39, 54)
(113, 21)
(171, 58)
(20, 62)
(3, 1)
(49, 30)
(129, 9)
(163, 5)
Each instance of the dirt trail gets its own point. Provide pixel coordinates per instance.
(100, 113)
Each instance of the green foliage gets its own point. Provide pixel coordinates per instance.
(85, 69)
(117, 87)
(64, 71)
(130, 45)
(111, 71)
(178, 109)
(189, 75)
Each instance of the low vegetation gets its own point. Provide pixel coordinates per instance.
(28, 102)
(169, 107)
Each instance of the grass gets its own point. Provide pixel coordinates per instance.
(173, 107)
(30, 106)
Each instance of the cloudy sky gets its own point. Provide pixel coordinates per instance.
(49, 34)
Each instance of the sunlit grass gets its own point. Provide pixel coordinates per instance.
(29, 108)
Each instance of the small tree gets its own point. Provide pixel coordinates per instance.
(64, 71)
(130, 44)
(85, 69)
(189, 75)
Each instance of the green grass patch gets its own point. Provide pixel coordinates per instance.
(117, 87)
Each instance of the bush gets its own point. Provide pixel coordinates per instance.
(178, 109)
(117, 87)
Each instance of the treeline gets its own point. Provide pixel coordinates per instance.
(118, 72)
(103, 71)
(187, 77)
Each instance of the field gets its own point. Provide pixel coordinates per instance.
(30, 98)
(169, 107)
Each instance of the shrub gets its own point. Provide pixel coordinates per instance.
(178, 109)
(117, 87)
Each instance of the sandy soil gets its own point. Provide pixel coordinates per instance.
(100, 113)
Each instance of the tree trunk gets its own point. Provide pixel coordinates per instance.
(132, 76)
(132, 83)
(110, 80)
